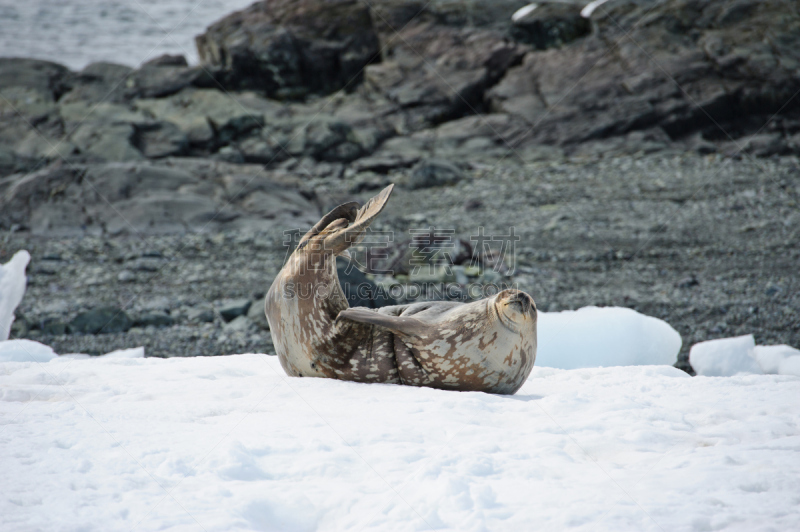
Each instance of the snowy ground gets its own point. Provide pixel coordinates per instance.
(231, 443)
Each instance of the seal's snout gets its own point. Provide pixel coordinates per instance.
(525, 302)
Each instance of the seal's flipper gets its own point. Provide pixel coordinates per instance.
(397, 324)
(346, 211)
(354, 233)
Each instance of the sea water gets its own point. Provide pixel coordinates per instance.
(78, 32)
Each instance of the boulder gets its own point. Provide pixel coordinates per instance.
(437, 73)
(434, 173)
(549, 24)
(291, 48)
(100, 321)
(99, 82)
(359, 290)
(233, 308)
(49, 80)
(205, 116)
(683, 67)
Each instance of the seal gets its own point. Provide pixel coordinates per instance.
(487, 345)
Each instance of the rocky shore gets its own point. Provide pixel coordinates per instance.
(646, 156)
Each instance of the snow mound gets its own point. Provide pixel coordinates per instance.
(25, 351)
(771, 358)
(232, 443)
(12, 288)
(595, 337)
(725, 357)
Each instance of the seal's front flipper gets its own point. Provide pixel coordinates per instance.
(398, 324)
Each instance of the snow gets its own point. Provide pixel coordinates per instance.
(523, 12)
(25, 351)
(740, 355)
(771, 358)
(724, 357)
(593, 337)
(232, 443)
(589, 8)
(12, 288)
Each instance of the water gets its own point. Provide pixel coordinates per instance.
(78, 32)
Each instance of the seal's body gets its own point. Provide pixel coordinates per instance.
(487, 345)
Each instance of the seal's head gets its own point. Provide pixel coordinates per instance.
(516, 309)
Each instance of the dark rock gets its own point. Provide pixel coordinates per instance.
(101, 320)
(168, 60)
(686, 67)
(292, 48)
(434, 173)
(160, 80)
(161, 140)
(201, 315)
(19, 327)
(257, 315)
(50, 80)
(27, 191)
(205, 116)
(53, 326)
(154, 319)
(99, 82)
(550, 25)
(687, 282)
(359, 290)
(234, 308)
(437, 73)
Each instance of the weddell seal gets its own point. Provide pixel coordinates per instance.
(487, 345)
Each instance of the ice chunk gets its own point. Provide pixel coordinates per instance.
(12, 288)
(770, 357)
(613, 336)
(134, 352)
(25, 351)
(790, 366)
(725, 357)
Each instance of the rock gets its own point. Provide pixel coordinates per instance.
(161, 212)
(27, 191)
(434, 173)
(359, 290)
(168, 60)
(233, 308)
(100, 321)
(239, 324)
(53, 326)
(437, 73)
(200, 315)
(161, 140)
(49, 80)
(204, 115)
(291, 48)
(765, 144)
(110, 142)
(257, 315)
(99, 82)
(687, 67)
(159, 80)
(549, 25)
(19, 327)
(155, 319)
(126, 276)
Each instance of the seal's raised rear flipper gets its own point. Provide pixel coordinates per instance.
(397, 324)
(346, 211)
(355, 231)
